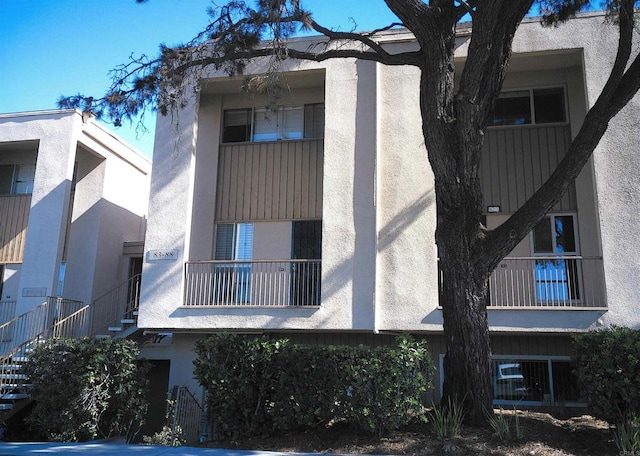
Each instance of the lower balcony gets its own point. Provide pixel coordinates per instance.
(271, 283)
(548, 282)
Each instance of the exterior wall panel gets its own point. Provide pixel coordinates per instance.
(14, 213)
(270, 181)
(516, 161)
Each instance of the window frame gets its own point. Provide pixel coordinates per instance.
(279, 113)
(14, 182)
(534, 122)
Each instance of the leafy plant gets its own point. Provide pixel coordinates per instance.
(257, 384)
(627, 435)
(607, 366)
(446, 419)
(166, 437)
(87, 388)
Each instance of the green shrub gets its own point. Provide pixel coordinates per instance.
(255, 385)
(86, 389)
(607, 365)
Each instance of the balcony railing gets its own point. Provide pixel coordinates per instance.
(253, 283)
(548, 282)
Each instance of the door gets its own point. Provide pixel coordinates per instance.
(305, 275)
(556, 274)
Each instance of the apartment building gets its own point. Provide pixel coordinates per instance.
(312, 216)
(73, 199)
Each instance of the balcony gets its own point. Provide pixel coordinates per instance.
(553, 282)
(267, 283)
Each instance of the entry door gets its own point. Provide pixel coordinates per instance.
(307, 245)
(557, 276)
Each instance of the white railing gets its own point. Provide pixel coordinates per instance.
(252, 283)
(548, 282)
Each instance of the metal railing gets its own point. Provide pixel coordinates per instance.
(61, 318)
(27, 331)
(7, 311)
(252, 283)
(548, 282)
(185, 413)
(116, 305)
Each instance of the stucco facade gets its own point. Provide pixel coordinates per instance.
(374, 194)
(87, 196)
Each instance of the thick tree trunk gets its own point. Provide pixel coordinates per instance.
(467, 363)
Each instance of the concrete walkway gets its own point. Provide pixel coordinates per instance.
(113, 449)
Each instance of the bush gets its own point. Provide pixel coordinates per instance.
(607, 365)
(256, 385)
(86, 389)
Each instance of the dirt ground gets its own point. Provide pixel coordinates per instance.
(544, 435)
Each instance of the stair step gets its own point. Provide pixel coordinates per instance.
(13, 377)
(20, 359)
(102, 336)
(115, 328)
(13, 396)
(127, 321)
(5, 407)
(135, 312)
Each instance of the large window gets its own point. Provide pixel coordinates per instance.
(273, 123)
(533, 106)
(17, 179)
(556, 276)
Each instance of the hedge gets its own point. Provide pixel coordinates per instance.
(258, 384)
(607, 365)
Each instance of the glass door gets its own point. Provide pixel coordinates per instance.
(554, 241)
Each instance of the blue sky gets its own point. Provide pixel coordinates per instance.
(50, 48)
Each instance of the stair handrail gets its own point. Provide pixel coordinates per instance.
(54, 331)
(42, 326)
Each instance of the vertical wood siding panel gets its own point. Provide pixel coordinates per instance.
(270, 181)
(516, 161)
(291, 182)
(261, 163)
(14, 212)
(234, 154)
(268, 185)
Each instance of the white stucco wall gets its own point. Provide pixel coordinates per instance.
(92, 261)
(379, 267)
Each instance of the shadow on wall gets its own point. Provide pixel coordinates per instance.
(94, 249)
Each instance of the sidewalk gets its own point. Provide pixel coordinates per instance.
(112, 449)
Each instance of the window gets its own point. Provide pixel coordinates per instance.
(273, 123)
(234, 242)
(556, 276)
(525, 107)
(17, 179)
